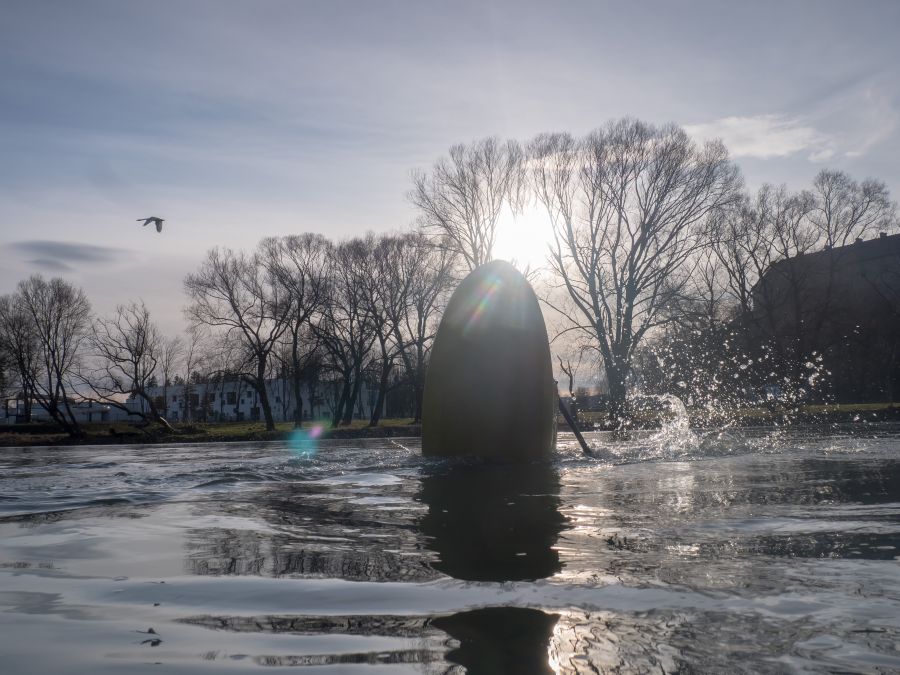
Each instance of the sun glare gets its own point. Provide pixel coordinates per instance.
(523, 238)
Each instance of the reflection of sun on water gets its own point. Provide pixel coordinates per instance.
(523, 238)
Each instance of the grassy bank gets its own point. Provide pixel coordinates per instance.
(120, 432)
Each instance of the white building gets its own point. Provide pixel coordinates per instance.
(209, 402)
(236, 400)
(82, 411)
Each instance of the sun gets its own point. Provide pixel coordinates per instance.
(523, 238)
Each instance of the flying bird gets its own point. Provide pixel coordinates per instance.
(153, 219)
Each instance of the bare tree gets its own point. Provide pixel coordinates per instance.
(781, 254)
(7, 379)
(783, 219)
(193, 359)
(569, 362)
(463, 195)
(224, 361)
(405, 284)
(420, 278)
(236, 293)
(171, 353)
(377, 278)
(846, 210)
(59, 314)
(18, 342)
(299, 263)
(751, 237)
(627, 204)
(785, 306)
(705, 300)
(344, 325)
(741, 243)
(843, 211)
(128, 348)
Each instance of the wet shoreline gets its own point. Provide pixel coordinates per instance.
(848, 418)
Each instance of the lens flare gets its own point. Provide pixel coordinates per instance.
(482, 303)
(304, 442)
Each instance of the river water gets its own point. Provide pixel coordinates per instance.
(764, 551)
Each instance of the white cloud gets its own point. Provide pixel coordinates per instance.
(765, 136)
(821, 155)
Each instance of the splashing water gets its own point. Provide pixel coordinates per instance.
(724, 378)
(674, 438)
(675, 428)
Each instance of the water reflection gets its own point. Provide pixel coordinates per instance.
(468, 521)
(493, 522)
(493, 640)
(699, 524)
(500, 640)
(787, 555)
(312, 530)
(405, 639)
(489, 522)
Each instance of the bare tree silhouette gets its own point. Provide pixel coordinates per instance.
(234, 292)
(463, 195)
(344, 326)
(627, 204)
(300, 264)
(59, 317)
(128, 348)
(421, 278)
(18, 341)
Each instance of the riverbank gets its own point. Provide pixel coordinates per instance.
(818, 415)
(106, 434)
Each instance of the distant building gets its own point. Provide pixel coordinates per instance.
(82, 411)
(208, 402)
(842, 303)
(236, 400)
(831, 280)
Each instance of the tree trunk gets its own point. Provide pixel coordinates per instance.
(186, 392)
(298, 410)
(382, 393)
(267, 409)
(312, 390)
(260, 386)
(419, 396)
(342, 401)
(70, 416)
(298, 399)
(618, 395)
(237, 398)
(351, 402)
(154, 413)
(59, 417)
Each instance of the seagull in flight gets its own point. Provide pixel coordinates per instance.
(153, 219)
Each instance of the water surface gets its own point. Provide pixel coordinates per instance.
(766, 551)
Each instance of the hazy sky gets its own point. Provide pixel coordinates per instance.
(235, 120)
